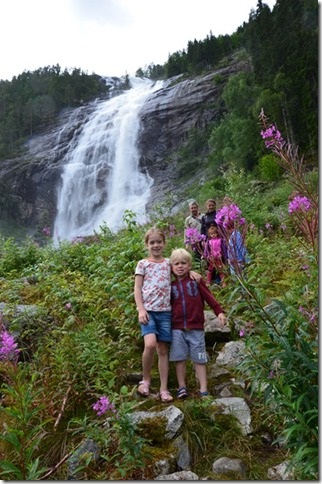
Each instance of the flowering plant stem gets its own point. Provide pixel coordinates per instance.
(304, 208)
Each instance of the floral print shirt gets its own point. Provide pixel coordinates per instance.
(156, 289)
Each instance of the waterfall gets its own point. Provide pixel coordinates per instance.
(101, 177)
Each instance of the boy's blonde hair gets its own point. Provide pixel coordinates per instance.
(182, 254)
(152, 231)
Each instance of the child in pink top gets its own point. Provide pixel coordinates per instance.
(214, 253)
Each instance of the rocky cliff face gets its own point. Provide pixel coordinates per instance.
(30, 182)
(171, 114)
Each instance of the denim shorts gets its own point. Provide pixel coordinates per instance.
(188, 344)
(160, 324)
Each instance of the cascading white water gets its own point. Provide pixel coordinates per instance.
(101, 178)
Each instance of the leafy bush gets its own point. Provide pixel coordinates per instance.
(269, 169)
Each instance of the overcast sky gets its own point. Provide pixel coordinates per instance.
(108, 37)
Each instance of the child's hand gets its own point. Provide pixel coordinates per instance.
(195, 276)
(143, 316)
(222, 319)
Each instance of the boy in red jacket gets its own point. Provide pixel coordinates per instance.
(187, 321)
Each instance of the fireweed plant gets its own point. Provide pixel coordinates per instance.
(24, 430)
(303, 209)
(282, 345)
(195, 240)
(8, 346)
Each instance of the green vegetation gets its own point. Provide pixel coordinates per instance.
(84, 341)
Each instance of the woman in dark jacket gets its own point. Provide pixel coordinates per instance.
(209, 218)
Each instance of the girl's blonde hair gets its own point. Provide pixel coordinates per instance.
(181, 254)
(152, 231)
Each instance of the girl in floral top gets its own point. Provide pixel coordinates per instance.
(152, 296)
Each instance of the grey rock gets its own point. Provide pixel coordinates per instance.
(281, 472)
(173, 415)
(162, 467)
(184, 457)
(232, 354)
(178, 476)
(238, 407)
(216, 371)
(225, 465)
(26, 309)
(87, 447)
(225, 392)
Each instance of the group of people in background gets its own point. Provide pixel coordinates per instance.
(219, 247)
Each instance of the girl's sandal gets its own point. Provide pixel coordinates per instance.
(144, 388)
(165, 396)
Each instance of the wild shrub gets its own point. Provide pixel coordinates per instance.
(15, 257)
(269, 169)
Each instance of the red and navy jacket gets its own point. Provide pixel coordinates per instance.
(187, 303)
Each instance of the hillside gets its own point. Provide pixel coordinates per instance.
(81, 342)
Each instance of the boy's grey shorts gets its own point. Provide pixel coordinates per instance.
(188, 344)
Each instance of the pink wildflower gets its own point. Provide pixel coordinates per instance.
(103, 405)
(301, 204)
(193, 236)
(8, 347)
(273, 137)
(227, 214)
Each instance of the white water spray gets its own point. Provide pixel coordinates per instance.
(101, 178)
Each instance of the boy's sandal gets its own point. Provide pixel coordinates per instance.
(143, 388)
(203, 394)
(165, 396)
(182, 393)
